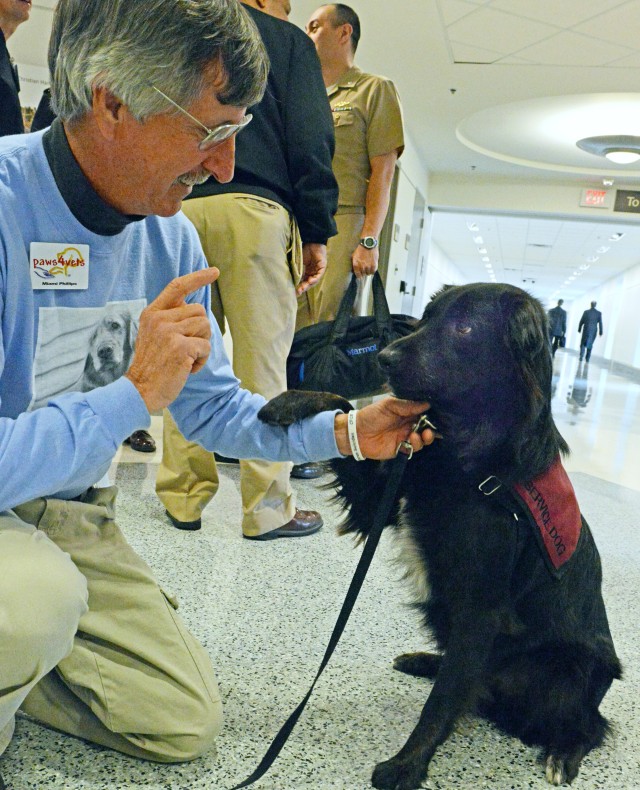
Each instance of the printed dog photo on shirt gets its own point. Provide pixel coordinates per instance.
(507, 575)
(79, 349)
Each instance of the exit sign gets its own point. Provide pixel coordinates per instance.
(596, 198)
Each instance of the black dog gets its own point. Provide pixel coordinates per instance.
(511, 575)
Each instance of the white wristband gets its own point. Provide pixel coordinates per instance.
(353, 435)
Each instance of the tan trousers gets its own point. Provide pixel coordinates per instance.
(90, 644)
(256, 245)
(321, 302)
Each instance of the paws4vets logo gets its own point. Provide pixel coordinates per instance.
(57, 265)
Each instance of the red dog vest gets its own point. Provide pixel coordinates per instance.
(551, 505)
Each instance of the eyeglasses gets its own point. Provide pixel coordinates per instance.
(214, 136)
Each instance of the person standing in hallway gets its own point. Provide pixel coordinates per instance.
(367, 119)
(12, 14)
(266, 230)
(557, 325)
(589, 325)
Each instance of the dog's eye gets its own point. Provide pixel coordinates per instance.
(463, 329)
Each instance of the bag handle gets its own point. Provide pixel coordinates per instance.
(381, 313)
(341, 322)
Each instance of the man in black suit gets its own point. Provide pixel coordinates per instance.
(557, 325)
(589, 324)
(12, 14)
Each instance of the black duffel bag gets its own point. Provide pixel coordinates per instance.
(341, 356)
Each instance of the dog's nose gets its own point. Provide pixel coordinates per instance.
(385, 358)
(105, 353)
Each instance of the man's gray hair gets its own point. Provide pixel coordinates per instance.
(126, 46)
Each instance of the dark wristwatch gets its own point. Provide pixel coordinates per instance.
(369, 242)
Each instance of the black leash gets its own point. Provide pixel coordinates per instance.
(379, 522)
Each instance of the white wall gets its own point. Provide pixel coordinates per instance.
(619, 301)
(441, 270)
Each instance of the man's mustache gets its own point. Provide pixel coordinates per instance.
(193, 178)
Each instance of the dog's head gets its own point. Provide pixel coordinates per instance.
(111, 346)
(481, 356)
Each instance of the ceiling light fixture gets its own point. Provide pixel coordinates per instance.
(616, 236)
(473, 226)
(623, 149)
(478, 239)
(482, 250)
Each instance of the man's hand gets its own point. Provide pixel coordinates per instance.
(314, 260)
(364, 261)
(381, 427)
(173, 341)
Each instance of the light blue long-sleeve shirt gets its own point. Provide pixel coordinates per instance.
(55, 438)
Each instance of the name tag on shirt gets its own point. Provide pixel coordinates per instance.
(59, 265)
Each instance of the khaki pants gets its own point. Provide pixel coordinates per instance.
(256, 245)
(321, 302)
(90, 643)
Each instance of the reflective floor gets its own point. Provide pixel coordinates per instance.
(598, 413)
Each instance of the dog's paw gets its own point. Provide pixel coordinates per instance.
(294, 405)
(563, 769)
(420, 665)
(554, 770)
(396, 774)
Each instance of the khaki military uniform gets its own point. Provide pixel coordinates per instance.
(256, 245)
(367, 120)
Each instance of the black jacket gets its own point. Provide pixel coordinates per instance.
(285, 153)
(557, 321)
(590, 322)
(10, 112)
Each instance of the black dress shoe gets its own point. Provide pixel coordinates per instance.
(308, 471)
(304, 522)
(192, 526)
(224, 459)
(141, 441)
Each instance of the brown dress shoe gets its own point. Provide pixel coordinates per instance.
(304, 522)
(141, 441)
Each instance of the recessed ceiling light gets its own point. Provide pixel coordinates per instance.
(473, 226)
(584, 267)
(486, 259)
(478, 239)
(623, 149)
(592, 258)
(482, 250)
(603, 249)
(616, 236)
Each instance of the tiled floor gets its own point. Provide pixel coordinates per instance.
(265, 611)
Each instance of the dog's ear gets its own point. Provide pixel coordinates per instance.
(527, 339)
(132, 332)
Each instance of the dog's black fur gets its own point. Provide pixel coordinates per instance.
(529, 650)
